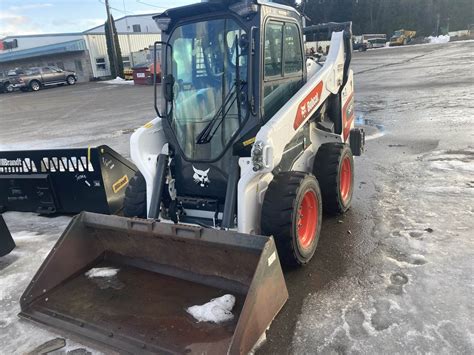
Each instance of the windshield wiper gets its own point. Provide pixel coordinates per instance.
(206, 135)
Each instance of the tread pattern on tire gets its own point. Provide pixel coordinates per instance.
(277, 212)
(326, 170)
(134, 204)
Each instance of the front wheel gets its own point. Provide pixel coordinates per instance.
(35, 85)
(292, 213)
(71, 80)
(334, 169)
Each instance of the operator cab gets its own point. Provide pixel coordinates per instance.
(228, 67)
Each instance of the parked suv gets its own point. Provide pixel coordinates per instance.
(35, 78)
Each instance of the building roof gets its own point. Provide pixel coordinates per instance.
(44, 35)
(122, 18)
(64, 47)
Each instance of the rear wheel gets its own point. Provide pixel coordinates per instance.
(291, 212)
(35, 85)
(134, 204)
(334, 169)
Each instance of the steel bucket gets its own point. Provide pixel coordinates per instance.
(163, 269)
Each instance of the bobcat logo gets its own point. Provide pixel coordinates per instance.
(200, 177)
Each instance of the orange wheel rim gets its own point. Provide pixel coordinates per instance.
(345, 180)
(308, 215)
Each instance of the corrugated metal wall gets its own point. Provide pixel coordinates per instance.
(130, 42)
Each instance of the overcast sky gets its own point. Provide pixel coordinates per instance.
(55, 16)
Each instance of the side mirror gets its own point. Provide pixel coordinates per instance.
(168, 83)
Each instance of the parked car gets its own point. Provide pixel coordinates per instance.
(35, 78)
(377, 42)
(359, 46)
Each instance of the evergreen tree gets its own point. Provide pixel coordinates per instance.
(387, 16)
(113, 70)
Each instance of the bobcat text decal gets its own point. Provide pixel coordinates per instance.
(200, 177)
(307, 105)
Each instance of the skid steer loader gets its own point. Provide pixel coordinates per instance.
(252, 142)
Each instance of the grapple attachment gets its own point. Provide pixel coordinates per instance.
(161, 270)
(64, 180)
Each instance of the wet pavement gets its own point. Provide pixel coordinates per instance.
(393, 275)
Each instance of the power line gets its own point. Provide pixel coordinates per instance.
(115, 9)
(159, 7)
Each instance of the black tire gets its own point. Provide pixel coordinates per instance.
(332, 160)
(134, 203)
(71, 80)
(35, 85)
(281, 218)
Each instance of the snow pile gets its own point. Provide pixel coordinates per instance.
(216, 310)
(439, 39)
(102, 272)
(118, 80)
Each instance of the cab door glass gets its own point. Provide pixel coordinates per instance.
(293, 51)
(283, 62)
(273, 49)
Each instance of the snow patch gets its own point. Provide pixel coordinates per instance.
(453, 165)
(217, 310)
(102, 272)
(25, 235)
(118, 80)
(439, 39)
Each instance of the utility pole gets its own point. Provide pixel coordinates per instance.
(112, 36)
(437, 25)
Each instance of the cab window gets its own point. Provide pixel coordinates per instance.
(283, 65)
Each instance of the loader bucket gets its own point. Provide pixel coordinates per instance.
(162, 270)
(7, 243)
(64, 180)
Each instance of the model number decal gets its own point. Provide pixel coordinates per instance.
(120, 184)
(308, 104)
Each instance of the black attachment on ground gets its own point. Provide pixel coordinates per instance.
(156, 196)
(64, 180)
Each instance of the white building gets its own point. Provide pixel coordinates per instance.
(85, 53)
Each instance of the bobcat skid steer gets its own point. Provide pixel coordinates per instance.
(252, 142)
